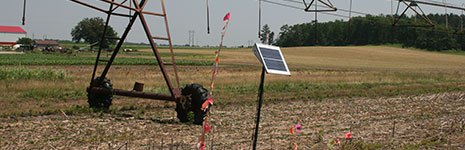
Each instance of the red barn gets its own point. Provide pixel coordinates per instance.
(10, 34)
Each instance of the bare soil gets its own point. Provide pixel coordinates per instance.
(433, 121)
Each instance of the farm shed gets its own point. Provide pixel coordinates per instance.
(10, 34)
(41, 44)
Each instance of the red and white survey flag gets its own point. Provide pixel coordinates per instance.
(227, 17)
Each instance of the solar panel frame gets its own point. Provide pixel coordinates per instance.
(270, 61)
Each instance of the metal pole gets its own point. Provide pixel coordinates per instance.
(259, 17)
(171, 44)
(157, 54)
(208, 19)
(350, 10)
(189, 37)
(434, 4)
(350, 18)
(392, 13)
(121, 41)
(102, 39)
(24, 13)
(260, 100)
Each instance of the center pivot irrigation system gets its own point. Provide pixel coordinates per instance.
(192, 96)
(101, 91)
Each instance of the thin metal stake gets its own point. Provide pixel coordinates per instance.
(171, 146)
(211, 144)
(271, 141)
(448, 143)
(161, 143)
(393, 129)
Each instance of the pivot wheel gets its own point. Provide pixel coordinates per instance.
(98, 100)
(193, 96)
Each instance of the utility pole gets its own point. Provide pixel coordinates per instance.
(249, 43)
(447, 16)
(461, 18)
(350, 18)
(191, 37)
(316, 23)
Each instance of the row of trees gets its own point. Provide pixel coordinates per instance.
(377, 30)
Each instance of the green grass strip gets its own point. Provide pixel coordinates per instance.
(14, 73)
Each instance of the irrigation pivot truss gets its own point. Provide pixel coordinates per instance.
(326, 4)
(100, 91)
(411, 5)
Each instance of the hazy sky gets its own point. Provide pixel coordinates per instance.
(55, 18)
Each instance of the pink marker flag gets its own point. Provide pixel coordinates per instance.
(201, 145)
(298, 127)
(267, 38)
(292, 130)
(206, 103)
(63, 114)
(227, 17)
(207, 128)
(348, 135)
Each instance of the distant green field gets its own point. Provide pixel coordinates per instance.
(317, 73)
(135, 46)
(62, 59)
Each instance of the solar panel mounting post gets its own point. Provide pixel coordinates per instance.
(260, 101)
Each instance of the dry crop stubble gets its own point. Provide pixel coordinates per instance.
(421, 122)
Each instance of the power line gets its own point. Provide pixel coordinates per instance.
(366, 20)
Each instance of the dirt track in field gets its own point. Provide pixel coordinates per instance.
(425, 122)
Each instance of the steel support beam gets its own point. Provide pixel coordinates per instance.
(131, 93)
(435, 4)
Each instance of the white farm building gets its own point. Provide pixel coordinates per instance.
(10, 34)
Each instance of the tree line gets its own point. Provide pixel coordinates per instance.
(378, 30)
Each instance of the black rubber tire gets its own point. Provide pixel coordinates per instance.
(98, 100)
(195, 95)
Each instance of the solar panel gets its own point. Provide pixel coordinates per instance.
(272, 58)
